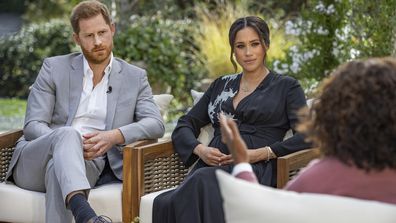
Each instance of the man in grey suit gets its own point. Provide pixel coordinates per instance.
(81, 109)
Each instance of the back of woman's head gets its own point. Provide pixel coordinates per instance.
(354, 118)
(258, 25)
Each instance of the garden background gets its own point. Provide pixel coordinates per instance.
(183, 44)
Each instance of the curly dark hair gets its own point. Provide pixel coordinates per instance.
(258, 24)
(354, 118)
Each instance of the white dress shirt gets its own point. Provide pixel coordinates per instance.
(92, 109)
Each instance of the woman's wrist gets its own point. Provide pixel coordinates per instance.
(197, 150)
(270, 154)
(262, 154)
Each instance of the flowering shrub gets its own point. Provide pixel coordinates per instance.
(332, 32)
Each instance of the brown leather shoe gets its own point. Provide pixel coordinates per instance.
(100, 219)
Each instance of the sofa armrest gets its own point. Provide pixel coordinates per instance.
(154, 167)
(289, 165)
(7, 143)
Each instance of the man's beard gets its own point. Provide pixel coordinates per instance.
(97, 57)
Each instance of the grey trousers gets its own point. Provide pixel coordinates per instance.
(54, 164)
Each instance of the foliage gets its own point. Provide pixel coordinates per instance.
(164, 46)
(12, 112)
(22, 54)
(12, 107)
(167, 49)
(213, 40)
(373, 31)
(43, 10)
(331, 32)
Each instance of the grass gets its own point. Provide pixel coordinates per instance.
(12, 107)
(12, 112)
(213, 38)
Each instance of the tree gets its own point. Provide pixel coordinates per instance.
(331, 32)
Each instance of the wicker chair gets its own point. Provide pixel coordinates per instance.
(150, 167)
(129, 190)
(160, 168)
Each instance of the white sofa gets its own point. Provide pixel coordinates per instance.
(19, 205)
(245, 202)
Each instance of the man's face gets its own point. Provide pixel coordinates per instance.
(95, 39)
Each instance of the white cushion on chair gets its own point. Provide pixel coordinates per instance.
(207, 131)
(19, 205)
(163, 101)
(107, 200)
(146, 206)
(247, 202)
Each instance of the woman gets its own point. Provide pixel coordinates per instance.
(358, 106)
(353, 122)
(263, 103)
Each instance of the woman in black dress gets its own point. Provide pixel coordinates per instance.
(264, 105)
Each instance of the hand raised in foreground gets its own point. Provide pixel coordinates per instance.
(230, 136)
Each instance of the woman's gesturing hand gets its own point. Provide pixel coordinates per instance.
(230, 136)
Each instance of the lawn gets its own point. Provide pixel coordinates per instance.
(12, 112)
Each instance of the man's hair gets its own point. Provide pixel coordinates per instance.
(88, 9)
(258, 25)
(354, 118)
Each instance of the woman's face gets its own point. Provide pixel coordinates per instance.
(248, 50)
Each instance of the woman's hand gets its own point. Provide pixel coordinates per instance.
(256, 155)
(212, 156)
(230, 136)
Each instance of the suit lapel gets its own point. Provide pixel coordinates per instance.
(75, 87)
(115, 81)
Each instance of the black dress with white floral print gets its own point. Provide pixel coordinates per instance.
(263, 118)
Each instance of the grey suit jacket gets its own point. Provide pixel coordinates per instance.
(55, 96)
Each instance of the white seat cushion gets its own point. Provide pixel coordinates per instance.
(163, 101)
(247, 202)
(207, 131)
(19, 205)
(146, 206)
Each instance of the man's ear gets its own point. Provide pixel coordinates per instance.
(76, 39)
(112, 28)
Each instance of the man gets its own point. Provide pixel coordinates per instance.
(81, 109)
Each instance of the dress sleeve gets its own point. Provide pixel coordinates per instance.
(188, 128)
(294, 101)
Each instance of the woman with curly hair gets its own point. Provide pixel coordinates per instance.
(353, 122)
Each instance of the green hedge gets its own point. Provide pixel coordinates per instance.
(173, 61)
(165, 47)
(21, 55)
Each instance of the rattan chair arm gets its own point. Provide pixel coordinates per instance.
(8, 139)
(7, 143)
(292, 163)
(144, 163)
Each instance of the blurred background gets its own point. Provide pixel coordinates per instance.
(183, 44)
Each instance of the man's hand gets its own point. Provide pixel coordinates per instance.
(96, 144)
(212, 156)
(230, 136)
